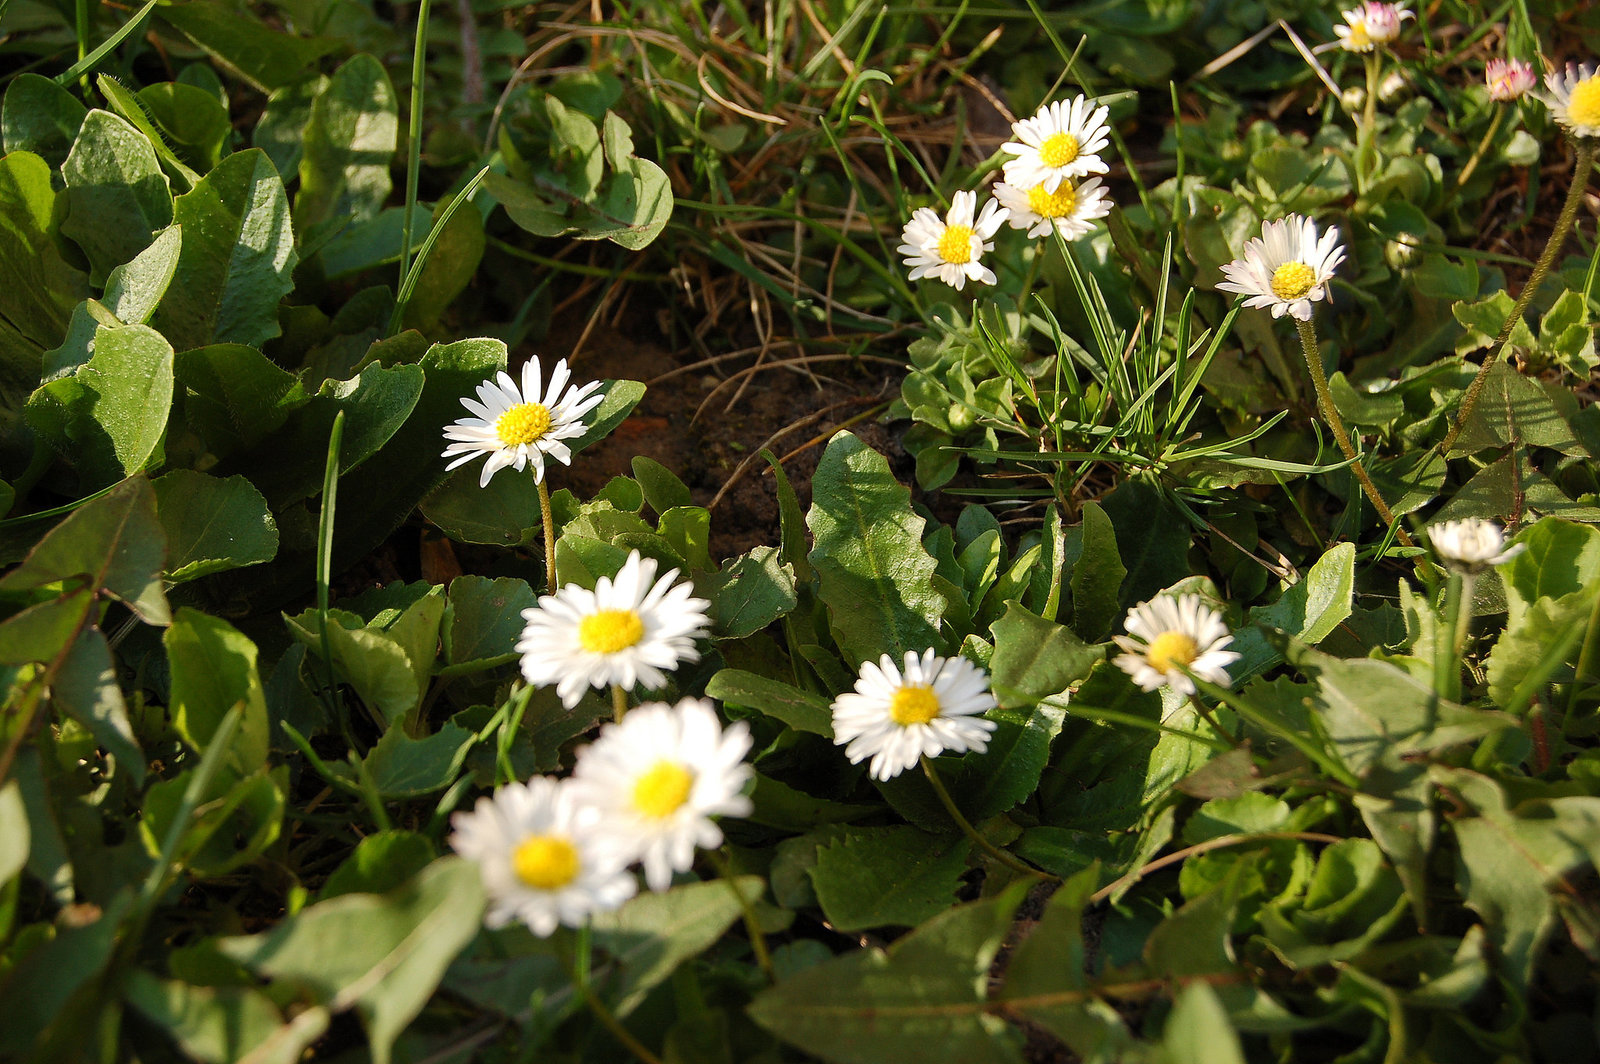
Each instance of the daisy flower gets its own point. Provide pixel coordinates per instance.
(628, 630)
(514, 426)
(1168, 632)
(659, 776)
(1070, 209)
(1508, 79)
(1472, 545)
(895, 716)
(951, 249)
(1058, 144)
(1286, 268)
(1575, 99)
(1370, 25)
(543, 856)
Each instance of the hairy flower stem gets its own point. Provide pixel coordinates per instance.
(1558, 236)
(971, 832)
(580, 982)
(1369, 119)
(752, 922)
(619, 702)
(548, 520)
(1330, 415)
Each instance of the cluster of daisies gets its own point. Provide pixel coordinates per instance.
(1047, 186)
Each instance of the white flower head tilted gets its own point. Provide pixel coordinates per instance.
(543, 856)
(1574, 99)
(1071, 208)
(632, 628)
(1472, 545)
(1060, 143)
(1169, 631)
(515, 427)
(1370, 25)
(952, 249)
(897, 715)
(1286, 268)
(1508, 79)
(659, 776)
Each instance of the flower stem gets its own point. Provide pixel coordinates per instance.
(1483, 146)
(580, 982)
(1330, 415)
(1558, 236)
(1369, 119)
(971, 832)
(1447, 648)
(548, 520)
(752, 924)
(619, 702)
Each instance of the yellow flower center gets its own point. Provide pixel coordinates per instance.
(1058, 149)
(1293, 280)
(523, 423)
(545, 862)
(913, 704)
(662, 790)
(608, 631)
(955, 246)
(1057, 204)
(1583, 107)
(1359, 40)
(1171, 648)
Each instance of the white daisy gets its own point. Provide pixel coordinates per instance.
(628, 630)
(658, 777)
(1508, 79)
(513, 426)
(895, 716)
(1071, 209)
(951, 250)
(1060, 143)
(543, 856)
(1574, 99)
(1286, 268)
(1168, 632)
(1472, 545)
(1370, 25)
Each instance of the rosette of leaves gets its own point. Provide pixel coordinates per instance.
(954, 392)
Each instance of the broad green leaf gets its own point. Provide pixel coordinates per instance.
(403, 767)
(381, 954)
(1309, 610)
(638, 201)
(1096, 577)
(193, 122)
(662, 488)
(484, 618)
(348, 142)
(39, 988)
(212, 525)
(1008, 770)
(135, 289)
(451, 264)
(379, 669)
(1558, 558)
(126, 105)
(1513, 407)
(117, 196)
(280, 132)
(1152, 538)
(750, 593)
(1198, 1031)
(1035, 658)
(263, 56)
(895, 876)
(216, 1024)
(13, 832)
(235, 397)
(876, 577)
(41, 289)
(621, 396)
(921, 999)
(237, 259)
(213, 669)
(237, 818)
(652, 934)
(110, 415)
(502, 513)
(799, 709)
(380, 863)
(39, 116)
(1537, 646)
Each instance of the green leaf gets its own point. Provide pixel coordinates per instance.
(1559, 558)
(484, 618)
(127, 106)
(652, 934)
(134, 289)
(237, 259)
(876, 577)
(403, 767)
(117, 196)
(620, 398)
(1513, 407)
(662, 488)
(212, 525)
(40, 986)
(751, 592)
(1152, 538)
(799, 709)
(922, 999)
(1198, 1031)
(1008, 770)
(280, 132)
(41, 289)
(380, 863)
(382, 955)
(379, 669)
(236, 820)
(879, 877)
(348, 143)
(263, 56)
(1534, 649)
(1309, 610)
(1035, 658)
(39, 116)
(638, 202)
(235, 397)
(1096, 577)
(451, 264)
(502, 513)
(13, 832)
(217, 1024)
(193, 122)
(213, 667)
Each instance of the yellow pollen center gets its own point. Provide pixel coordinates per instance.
(523, 423)
(955, 246)
(662, 790)
(1169, 649)
(1057, 204)
(1293, 280)
(608, 631)
(1583, 107)
(914, 704)
(1058, 149)
(545, 862)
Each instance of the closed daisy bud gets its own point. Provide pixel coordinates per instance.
(1508, 79)
(897, 715)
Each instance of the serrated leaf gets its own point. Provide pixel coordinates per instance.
(1035, 658)
(751, 592)
(880, 877)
